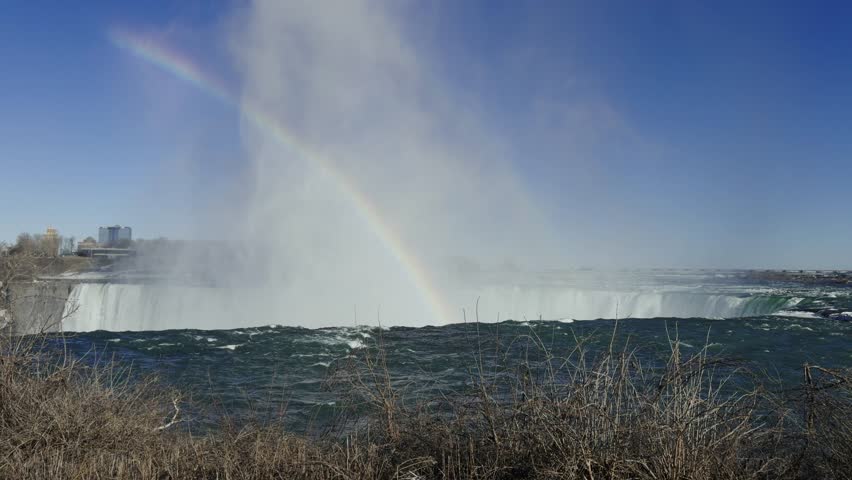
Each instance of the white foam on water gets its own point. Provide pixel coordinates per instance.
(797, 314)
(796, 326)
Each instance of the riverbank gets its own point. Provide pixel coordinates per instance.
(577, 416)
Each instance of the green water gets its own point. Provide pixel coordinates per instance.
(268, 369)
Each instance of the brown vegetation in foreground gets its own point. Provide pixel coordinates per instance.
(575, 417)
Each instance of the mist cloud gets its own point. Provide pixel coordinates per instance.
(345, 79)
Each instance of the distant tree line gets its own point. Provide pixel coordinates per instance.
(35, 245)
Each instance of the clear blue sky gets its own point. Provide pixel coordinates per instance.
(711, 134)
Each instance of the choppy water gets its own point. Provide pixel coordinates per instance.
(271, 367)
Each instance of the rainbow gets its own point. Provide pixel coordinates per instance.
(182, 68)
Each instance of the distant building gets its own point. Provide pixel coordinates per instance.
(67, 247)
(90, 248)
(111, 236)
(87, 244)
(51, 241)
(51, 235)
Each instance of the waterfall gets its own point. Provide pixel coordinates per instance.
(139, 307)
(122, 307)
(589, 304)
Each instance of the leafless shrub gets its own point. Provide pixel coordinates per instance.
(826, 398)
(582, 416)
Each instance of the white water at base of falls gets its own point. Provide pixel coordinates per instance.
(145, 307)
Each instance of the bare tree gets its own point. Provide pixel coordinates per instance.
(28, 306)
(25, 244)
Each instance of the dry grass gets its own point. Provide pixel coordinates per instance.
(581, 417)
(578, 416)
(826, 406)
